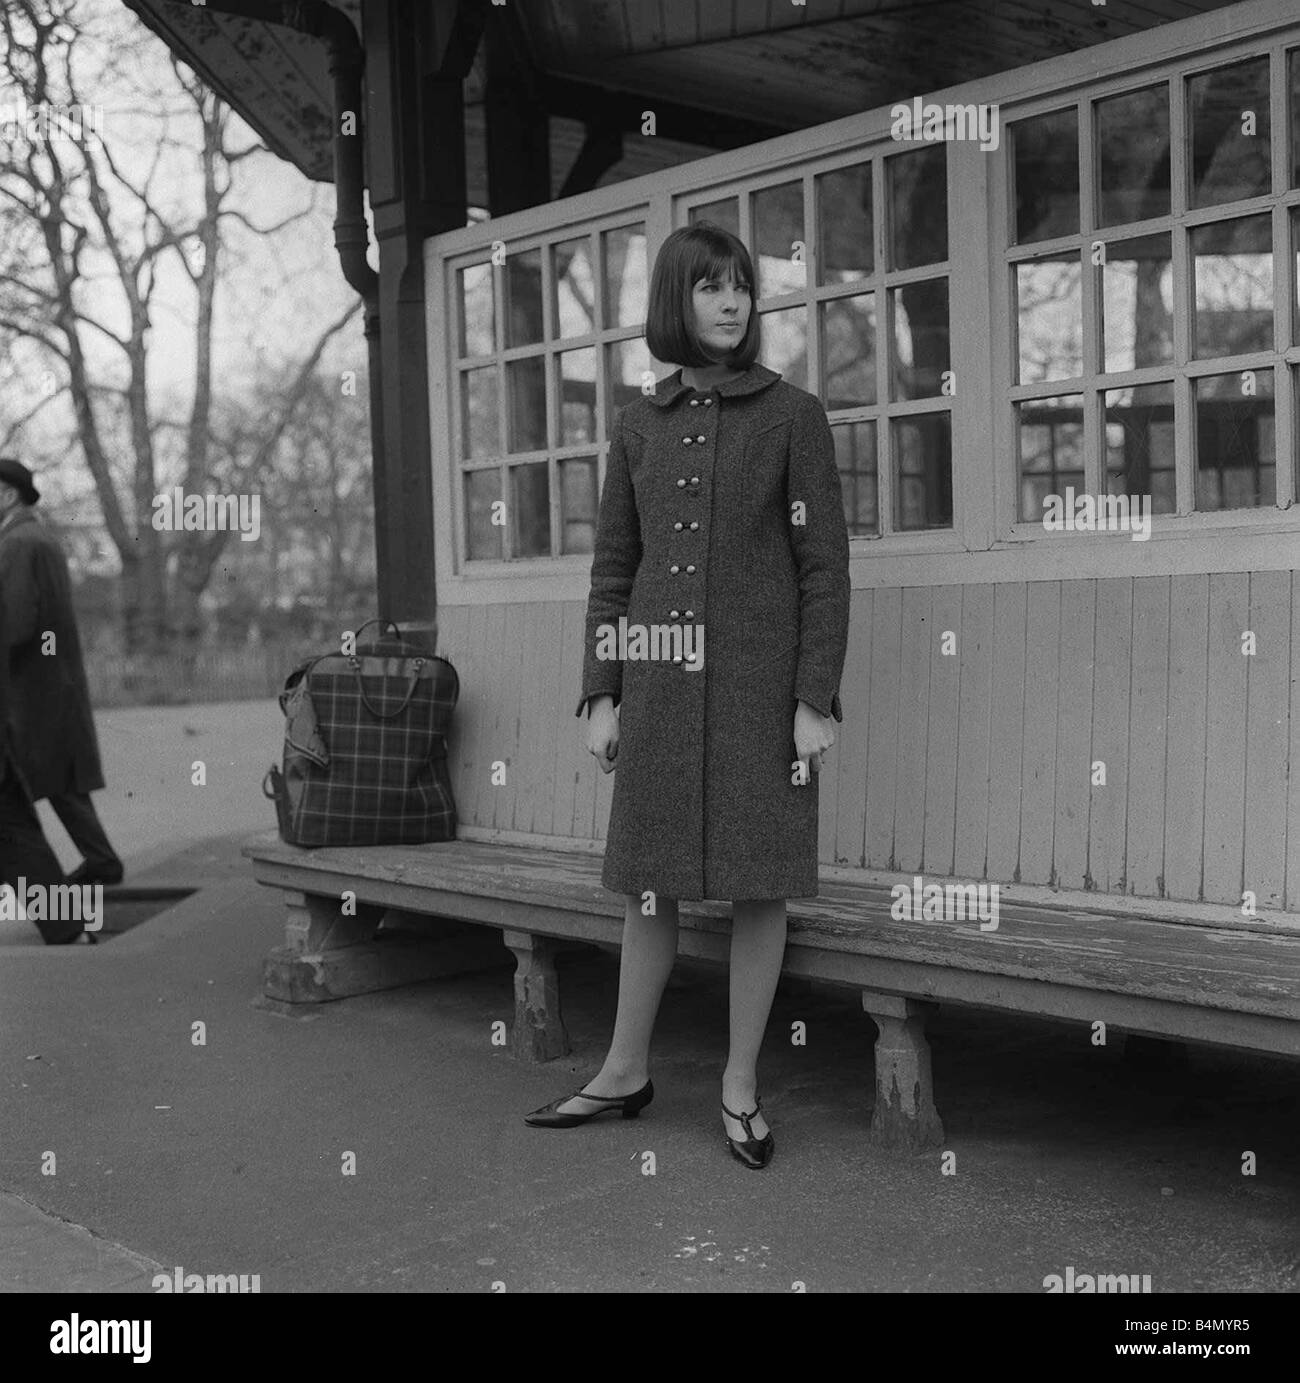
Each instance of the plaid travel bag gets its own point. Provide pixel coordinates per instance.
(365, 749)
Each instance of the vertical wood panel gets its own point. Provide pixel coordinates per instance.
(1268, 686)
(571, 733)
(452, 641)
(1149, 727)
(882, 726)
(828, 786)
(555, 716)
(913, 726)
(1225, 738)
(1293, 758)
(487, 746)
(1038, 757)
(1006, 731)
(534, 742)
(973, 732)
(1112, 677)
(1185, 764)
(474, 693)
(941, 740)
(1074, 733)
(853, 734)
(508, 690)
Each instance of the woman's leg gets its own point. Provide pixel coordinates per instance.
(757, 948)
(649, 949)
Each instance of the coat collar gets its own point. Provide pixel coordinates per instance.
(19, 514)
(668, 391)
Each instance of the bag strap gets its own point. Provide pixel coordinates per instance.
(355, 663)
(384, 623)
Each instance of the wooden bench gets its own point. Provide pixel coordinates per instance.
(358, 920)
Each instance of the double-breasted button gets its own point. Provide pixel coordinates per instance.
(690, 614)
(708, 403)
(677, 657)
(695, 403)
(677, 528)
(695, 480)
(701, 438)
(674, 614)
(690, 571)
(690, 657)
(681, 481)
(674, 569)
(686, 441)
(694, 526)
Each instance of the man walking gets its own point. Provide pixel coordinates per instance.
(55, 745)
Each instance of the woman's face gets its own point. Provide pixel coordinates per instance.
(722, 309)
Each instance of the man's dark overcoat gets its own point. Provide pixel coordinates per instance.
(721, 508)
(54, 730)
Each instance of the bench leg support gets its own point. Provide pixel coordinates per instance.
(904, 1115)
(330, 955)
(538, 1033)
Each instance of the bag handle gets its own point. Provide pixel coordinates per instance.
(355, 664)
(386, 623)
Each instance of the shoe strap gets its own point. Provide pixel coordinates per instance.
(745, 1118)
(602, 1099)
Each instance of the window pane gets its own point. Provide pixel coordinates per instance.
(1137, 310)
(849, 351)
(1140, 444)
(918, 207)
(844, 216)
(785, 344)
(1230, 133)
(920, 356)
(855, 456)
(778, 231)
(530, 494)
(1236, 464)
(1049, 311)
(482, 536)
(1133, 155)
(625, 276)
(923, 472)
(626, 365)
(1295, 116)
(577, 395)
(478, 335)
(1233, 265)
(1046, 170)
(725, 213)
(1051, 451)
(524, 298)
(480, 425)
(578, 503)
(526, 404)
(575, 287)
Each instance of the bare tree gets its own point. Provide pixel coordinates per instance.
(85, 240)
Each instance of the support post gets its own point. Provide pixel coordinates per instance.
(538, 1033)
(904, 1115)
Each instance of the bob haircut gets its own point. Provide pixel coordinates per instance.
(699, 251)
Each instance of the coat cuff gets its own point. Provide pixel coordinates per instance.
(588, 696)
(818, 703)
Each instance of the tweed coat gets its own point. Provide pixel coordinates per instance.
(721, 510)
(55, 744)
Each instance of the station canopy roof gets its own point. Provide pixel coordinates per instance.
(751, 70)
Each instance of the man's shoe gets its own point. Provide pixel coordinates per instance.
(107, 874)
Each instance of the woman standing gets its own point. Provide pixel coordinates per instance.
(721, 513)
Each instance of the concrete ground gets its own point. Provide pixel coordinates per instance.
(131, 1149)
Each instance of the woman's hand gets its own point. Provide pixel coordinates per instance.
(602, 732)
(813, 735)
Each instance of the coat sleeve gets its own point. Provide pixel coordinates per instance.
(20, 590)
(613, 569)
(821, 549)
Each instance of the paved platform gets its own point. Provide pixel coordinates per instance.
(233, 1156)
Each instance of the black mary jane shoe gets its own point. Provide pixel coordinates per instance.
(628, 1105)
(755, 1153)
